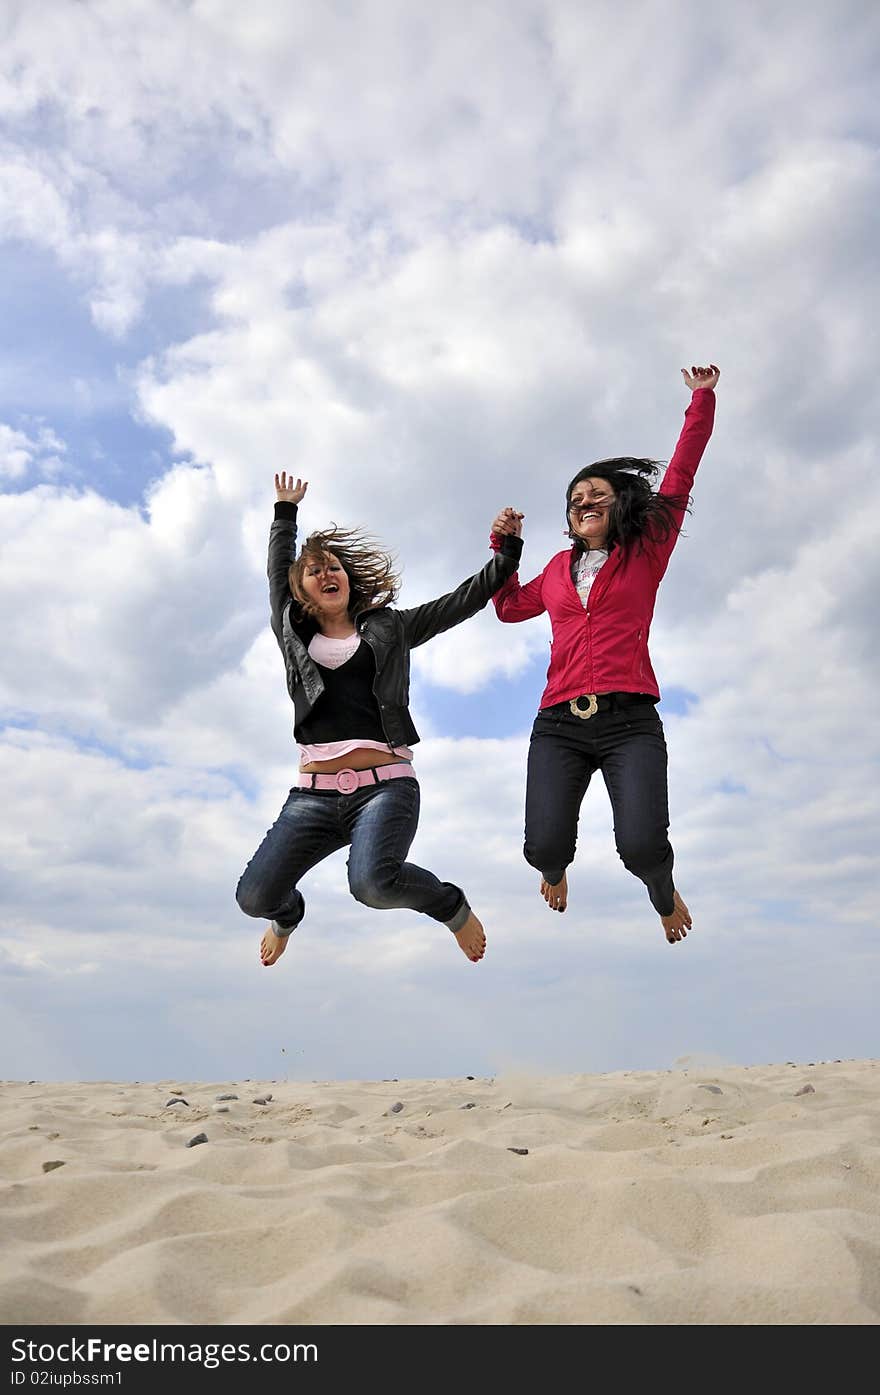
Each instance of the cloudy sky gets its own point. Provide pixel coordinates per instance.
(433, 258)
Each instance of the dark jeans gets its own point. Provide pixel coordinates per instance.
(628, 746)
(379, 822)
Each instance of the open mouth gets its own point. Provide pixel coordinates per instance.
(329, 590)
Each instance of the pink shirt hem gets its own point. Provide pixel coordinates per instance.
(329, 750)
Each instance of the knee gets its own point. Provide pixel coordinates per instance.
(250, 899)
(372, 887)
(639, 854)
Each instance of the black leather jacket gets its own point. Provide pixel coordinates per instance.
(390, 633)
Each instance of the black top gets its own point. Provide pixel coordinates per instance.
(347, 708)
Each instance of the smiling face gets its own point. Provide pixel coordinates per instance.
(588, 507)
(325, 585)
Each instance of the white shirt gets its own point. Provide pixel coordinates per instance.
(589, 564)
(333, 653)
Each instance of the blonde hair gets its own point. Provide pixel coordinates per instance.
(372, 580)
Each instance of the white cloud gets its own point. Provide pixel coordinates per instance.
(19, 452)
(31, 205)
(133, 610)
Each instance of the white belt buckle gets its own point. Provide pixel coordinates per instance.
(347, 781)
(579, 711)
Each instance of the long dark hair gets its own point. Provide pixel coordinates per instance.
(372, 580)
(637, 511)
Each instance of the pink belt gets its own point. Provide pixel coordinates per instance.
(347, 781)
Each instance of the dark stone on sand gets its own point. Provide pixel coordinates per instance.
(715, 1089)
(197, 1138)
(470, 1105)
(226, 1097)
(805, 1090)
(469, 1077)
(261, 1099)
(51, 1166)
(396, 1108)
(522, 1151)
(178, 1100)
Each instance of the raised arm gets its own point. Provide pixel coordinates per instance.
(423, 622)
(682, 468)
(282, 544)
(695, 433)
(513, 602)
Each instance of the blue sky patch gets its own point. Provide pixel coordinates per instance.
(677, 702)
(506, 707)
(62, 373)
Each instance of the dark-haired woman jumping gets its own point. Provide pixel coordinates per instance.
(597, 711)
(346, 656)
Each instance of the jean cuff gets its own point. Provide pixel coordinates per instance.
(280, 931)
(460, 916)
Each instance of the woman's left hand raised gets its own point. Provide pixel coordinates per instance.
(508, 521)
(701, 377)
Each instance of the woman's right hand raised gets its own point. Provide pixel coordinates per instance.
(508, 521)
(287, 491)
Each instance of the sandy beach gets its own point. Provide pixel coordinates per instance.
(746, 1195)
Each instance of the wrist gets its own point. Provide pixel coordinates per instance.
(511, 546)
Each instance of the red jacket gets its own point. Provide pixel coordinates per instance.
(603, 648)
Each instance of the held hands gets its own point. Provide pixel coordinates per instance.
(701, 377)
(508, 521)
(286, 490)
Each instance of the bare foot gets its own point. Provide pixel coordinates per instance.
(272, 947)
(471, 939)
(679, 923)
(556, 896)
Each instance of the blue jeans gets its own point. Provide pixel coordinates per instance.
(629, 748)
(379, 823)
